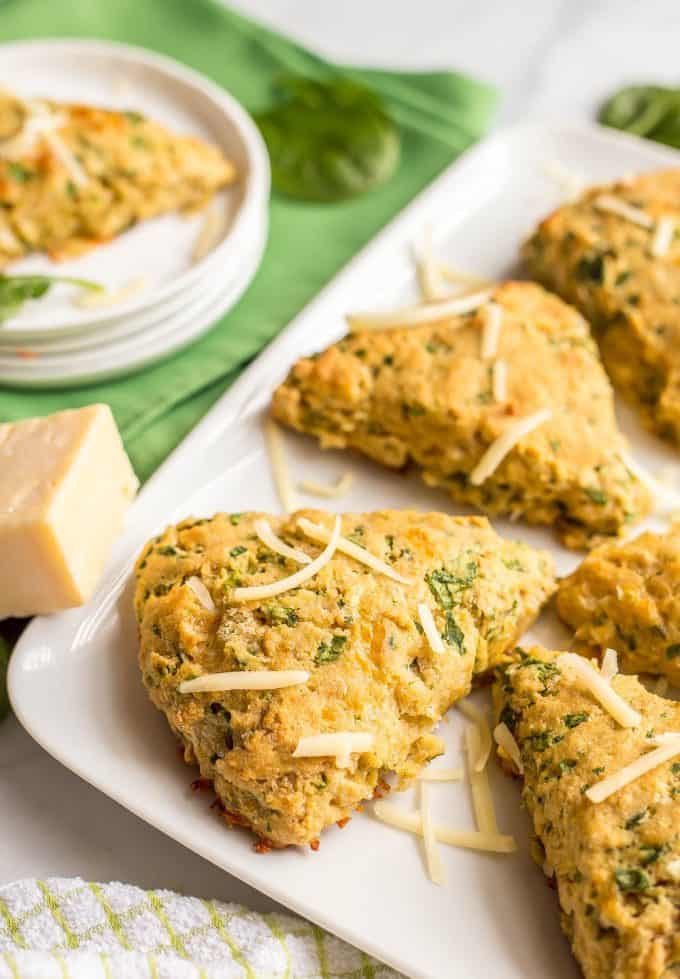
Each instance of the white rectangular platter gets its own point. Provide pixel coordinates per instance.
(74, 680)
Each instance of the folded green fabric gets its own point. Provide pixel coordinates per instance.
(440, 114)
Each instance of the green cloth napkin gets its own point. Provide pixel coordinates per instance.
(440, 114)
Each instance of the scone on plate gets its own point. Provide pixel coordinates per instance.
(506, 407)
(73, 176)
(605, 803)
(615, 254)
(377, 643)
(627, 597)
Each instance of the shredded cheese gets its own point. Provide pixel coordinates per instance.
(673, 869)
(666, 498)
(411, 822)
(441, 775)
(257, 592)
(505, 443)
(411, 316)
(613, 205)
(499, 381)
(571, 183)
(585, 674)
(482, 800)
(8, 240)
(274, 543)
(492, 320)
(101, 298)
(277, 458)
(505, 740)
(339, 745)
(211, 232)
(428, 270)
(613, 783)
(342, 486)
(610, 664)
(321, 535)
(434, 640)
(484, 741)
(466, 278)
(244, 680)
(65, 157)
(433, 860)
(201, 593)
(663, 237)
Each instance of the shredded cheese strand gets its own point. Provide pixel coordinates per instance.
(65, 157)
(457, 277)
(504, 739)
(201, 593)
(411, 316)
(244, 680)
(492, 321)
(339, 745)
(434, 640)
(571, 183)
(482, 800)
(411, 822)
(630, 773)
(441, 775)
(499, 381)
(663, 237)
(610, 664)
(277, 458)
(274, 543)
(433, 860)
(505, 443)
(485, 743)
(584, 673)
(613, 205)
(343, 485)
(428, 270)
(348, 547)
(666, 499)
(257, 592)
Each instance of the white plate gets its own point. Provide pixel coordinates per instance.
(145, 325)
(74, 680)
(124, 356)
(123, 77)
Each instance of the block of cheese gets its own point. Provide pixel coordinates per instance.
(65, 484)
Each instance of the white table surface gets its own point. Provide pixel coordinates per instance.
(550, 58)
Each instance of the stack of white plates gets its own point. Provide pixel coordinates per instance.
(168, 280)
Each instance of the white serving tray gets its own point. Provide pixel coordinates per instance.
(74, 681)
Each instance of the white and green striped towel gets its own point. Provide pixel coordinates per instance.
(68, 929)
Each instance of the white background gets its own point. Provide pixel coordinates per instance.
(554, 59)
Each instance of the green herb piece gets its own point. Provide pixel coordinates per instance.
(19, 172)
(566, 765)
(238, 550)
(328, 140)
(134, 117)
(635, 820)
(453, 634)
(5, 651)
(650, 854)
(590, 268)
(631, 880)
(167, 551)
(235, 519)
(329, 652)
(652, 111)
(514, 565)
(573, 720)
(16, 289)
(673, 651)
(280, 615)
(445, 585)
(596, 495)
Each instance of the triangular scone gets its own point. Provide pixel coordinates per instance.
(615, 254)
(426, 395)
(357, 632)
(74, 176)
(627, 597)
(616, 862)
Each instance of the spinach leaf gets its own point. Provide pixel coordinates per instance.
(328, 140)
(328, 653)
(16, 289)
(645, 110)
(5, 651)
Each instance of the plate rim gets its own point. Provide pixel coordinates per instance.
(257, 179)
(227, 411)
